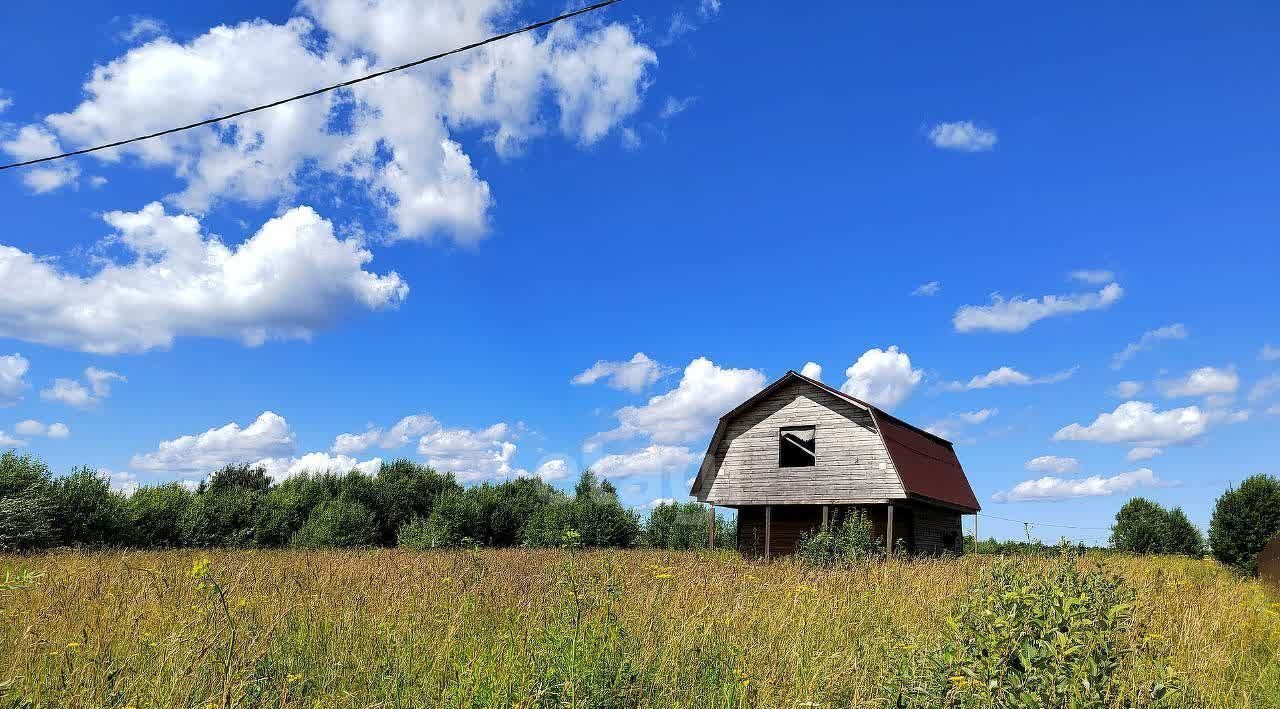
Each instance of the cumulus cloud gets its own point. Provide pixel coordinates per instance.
(812, 370)
(1205, 381)
(289, 280)
(1142, 453)
(74, 393)
(928, 289)
(31, 427)
(318, 463)
(34, 142)
(8, 441)
(13, 372)
(268, 436)
(390, 137)
(653, 460)
(1149, 339)
(1141, 423)
(963, 136)
(553, 470)
(1008, 376)
(633, 375)
(1126, 389)
(399, 435)
(883, 378)
(1053, 464)
(1054, 488)
(1018, 313)
(706, 391)
(5, 102)
(473, 455)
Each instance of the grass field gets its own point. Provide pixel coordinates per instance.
(522, 628)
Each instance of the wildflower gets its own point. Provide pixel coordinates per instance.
(291, 678)
(73, 646)
(200, 568)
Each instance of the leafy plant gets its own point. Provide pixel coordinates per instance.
(851, 540)
(340, 522)
(1244, 520)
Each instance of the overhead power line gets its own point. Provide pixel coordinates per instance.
(1045, 524)
(317, 92)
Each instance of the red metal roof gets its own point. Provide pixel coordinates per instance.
(927, 464)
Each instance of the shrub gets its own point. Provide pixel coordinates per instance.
(406, 490)
(25, 523)
(1140, 528)
(1244, 520)
(223, 518)
(676, 525)
(1024, 639)
(593, 518)
(155, 515)
(1183, 537)
(456, 519)
(340, 522)
(849, 541)
(85, 510)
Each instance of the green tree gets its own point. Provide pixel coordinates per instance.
(594, 515)
(1182, 537)
(26, 514)
(221, 519)
(86, 511)
(676, 525)
(155, 515)
(339, 522)
(406, 490)
(1244, 520)
(1141, 527)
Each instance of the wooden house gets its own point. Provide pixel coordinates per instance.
(800, 453)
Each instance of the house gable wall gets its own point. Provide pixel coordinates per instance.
(852, 463)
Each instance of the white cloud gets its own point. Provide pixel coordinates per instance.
(707, 8)
(143, 28)
(1149, 339)
(630, 138)
(883, 378)
(552, 470)
(34, 142)
(928, 289)
(7, 441)
(390, 137)
(69, 392)
(1265, 387)
(120, 481)
(97, 181)
(1269, 353)
(706, 391)
(963, 136)
(954, 424)
(1205, 381)
(268, 436)
(1139, 422)
(13, 370)
(1142, 453)
(653, 460)
(398, 436)
(675, 106)
(1054, 488)
(633, 375)
(1008, 376)
(473, 455)
(1095, 277)
(31, 427)
(316, 463)
(5, 102)
(1019, 313)
(812, 370)
(290, 279)
(73, 393)
(1126, 389)
(1053, 464)
(658, 502)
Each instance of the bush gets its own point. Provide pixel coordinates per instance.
(1183, 537)
(676, 525)
(155, 515)
(406, 490)
(849, 541)
(85, 511)
(593, 518)
(340, 522)
(1023, 639)
(221, 519)
(1244, 520)
(25, 523)
(1144, 527)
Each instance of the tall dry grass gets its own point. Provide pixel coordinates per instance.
(525, 628)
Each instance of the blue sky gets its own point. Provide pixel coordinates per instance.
(731, 191)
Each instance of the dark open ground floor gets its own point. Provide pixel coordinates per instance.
(917, 527)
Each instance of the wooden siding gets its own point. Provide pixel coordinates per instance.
(852, 463)
(934, 528)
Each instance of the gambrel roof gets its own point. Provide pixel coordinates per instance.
(925, 464)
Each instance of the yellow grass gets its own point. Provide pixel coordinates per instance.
(542, 628)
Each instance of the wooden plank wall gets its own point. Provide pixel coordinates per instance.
(852, 463)
(924, 528)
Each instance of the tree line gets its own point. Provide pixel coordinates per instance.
(1244, 519)
(403, 504)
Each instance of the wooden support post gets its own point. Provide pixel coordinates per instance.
(976, 538)
(825, 518)
(768, 529)
(711, 531)
(888, 530)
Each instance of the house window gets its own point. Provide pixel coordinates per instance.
(797, 447)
